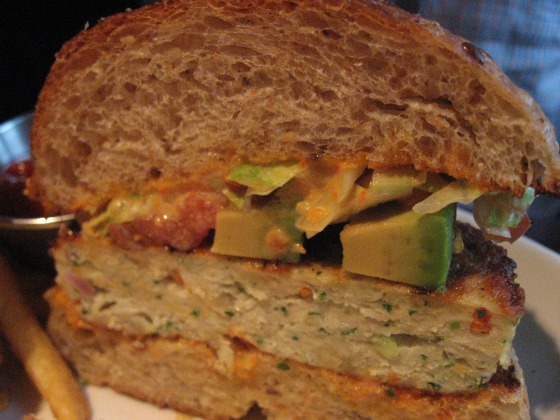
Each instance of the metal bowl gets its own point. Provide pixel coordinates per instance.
(26, 239)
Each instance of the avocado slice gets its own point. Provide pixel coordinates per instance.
(268, 233)
(401, 245)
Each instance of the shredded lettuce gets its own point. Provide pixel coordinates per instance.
(454, 192)
(122, 210)
(325, 193)
(387, 186)
(323, 205)
(330, 192)
(263, 180)
(346, 195)
(238, 200)
(502, 216)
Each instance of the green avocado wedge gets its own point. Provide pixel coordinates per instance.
(266, 233)
(400, 245)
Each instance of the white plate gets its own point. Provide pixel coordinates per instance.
(537, 344)
(537, 341)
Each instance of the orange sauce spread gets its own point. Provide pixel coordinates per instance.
(481, 321)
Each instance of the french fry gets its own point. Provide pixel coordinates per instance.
(30, 343)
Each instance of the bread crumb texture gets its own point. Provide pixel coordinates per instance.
(158, 96)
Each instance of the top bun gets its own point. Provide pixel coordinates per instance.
(162, 95)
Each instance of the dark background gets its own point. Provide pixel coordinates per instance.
(30, 34)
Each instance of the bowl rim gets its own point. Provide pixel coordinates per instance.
(9, 124)
(8, 222)
(35, 223)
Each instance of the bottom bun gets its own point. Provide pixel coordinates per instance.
(188, 377)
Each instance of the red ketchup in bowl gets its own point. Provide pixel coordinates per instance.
(13, 201)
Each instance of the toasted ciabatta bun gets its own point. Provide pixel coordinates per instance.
(159, 96)
(185, 375)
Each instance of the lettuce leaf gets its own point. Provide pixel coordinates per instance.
(345, 195)
(503, 217)
(322, 206)
(454, 192)
(263, 180)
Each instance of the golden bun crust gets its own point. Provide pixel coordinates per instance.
(185, 375)
(175, 91)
